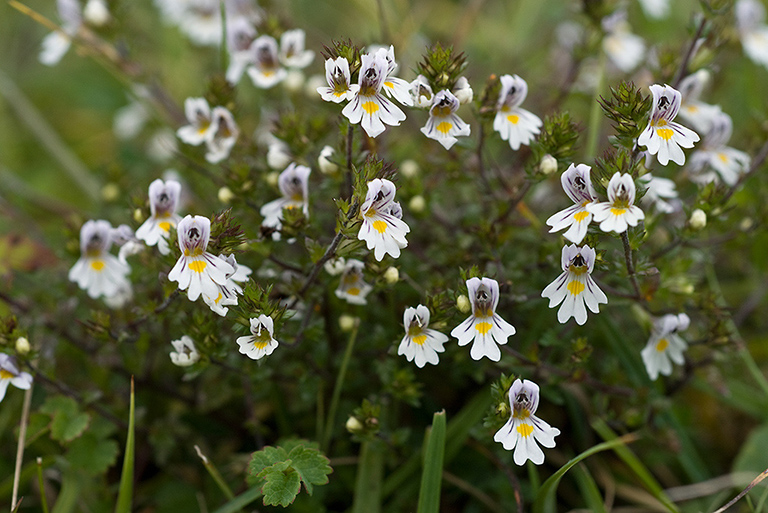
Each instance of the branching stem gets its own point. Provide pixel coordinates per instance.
(630, 264)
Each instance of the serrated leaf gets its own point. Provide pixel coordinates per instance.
(68, 421)
(92, 455)
(281, 484)
(264, 458)
(313, 468)
(315, 250)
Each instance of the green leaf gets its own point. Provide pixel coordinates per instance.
(125, 493)
(432, 476)
(753, 457)
(282, 484)
(264, 458)
(68, 421)
(313, 468)
(240, 501)
(92, 455)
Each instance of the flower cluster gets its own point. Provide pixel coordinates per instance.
(216, 128)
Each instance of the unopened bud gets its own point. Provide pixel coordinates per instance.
(22, 345)
(698, 219)
(272, 178)
(96, 13)
(462, 303)
(409, 168)
(347, 322)
(391, 275)
(138, 216)
(417, 204)
(323, 161)
(110, 192)
(548, 164)
(354, 426)
(294, 80)
(226, 195)
(746, 224)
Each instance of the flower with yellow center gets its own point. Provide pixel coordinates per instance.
(524, 429)
(663, 137)
(575, 288)
(223, 136)
(516, 125)
(665, 345)
(420, 344)
(484, 328)
(200, 127)
(715, 161)
(98, 272)
(577, 184)
(383, 229)
(261, 342)
(620, 211)
(352, 288)
(197, 271)
(10, 375)
(338, 77)
(443, 124)
(163, 199)
(265, 72)
(294, 186)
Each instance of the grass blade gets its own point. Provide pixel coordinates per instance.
(125, 494)
(432, 475)
(368, 483)
(240, 501)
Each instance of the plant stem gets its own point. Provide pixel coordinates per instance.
(348, 181)
(688, 54)
(41, 484)
(337, 388)
(595, 115)
(630, 264)
(20, 448)
(214, 472)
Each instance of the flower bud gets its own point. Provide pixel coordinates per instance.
(347, 322)
(110, 192)
(548, 165)
(417, 204)
(746, 224)
(323, 161)
(96, 13)
(409, 168)
(226, 195)
(391, 275)
(278, 156)
(698, 219)
(462, 303)
(272, 178)
(463, 91)
(354, 426)
(22, 345)
(138, 216)
(294, 80)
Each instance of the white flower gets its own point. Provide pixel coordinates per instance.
(665, 345)
(663, 137)
(97, 271)
(625, 49)
(352, 288)
(693, 111)
(578, 186)
(420, 344)
(485, 328)
(265, 70)
(294, 186)
(368, 106)
(750, 20)
(185, 353)
(261, 342)
(200, 20)
(394, 87)
(124, 237)
(338, 77)
(56, 44)
(200, 127)
(382, 229)
(278, 155)
(10, 375)
(163, 199)
(516, 125)
(421, 92)
(227, 293)
(524, 428)
(619, 211)
(335, 266)
(96, 13)
(443, 124)
(463, 91)
(292, 52)
(728, 163)
(658, 192)
(575, 288)
(240, 36)
(655, 8)
(698, 220)
(197, 271)
(324, 162)
(224, 133)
